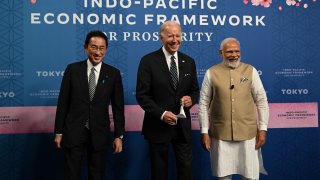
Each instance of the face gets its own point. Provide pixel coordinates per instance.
(231, 54)
(96, 50)
(171, 38)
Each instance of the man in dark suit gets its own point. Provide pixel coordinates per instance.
(82, 118)
(167, 79)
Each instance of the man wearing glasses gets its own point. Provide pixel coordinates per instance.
(82, 118)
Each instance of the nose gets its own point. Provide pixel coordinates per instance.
(174, 38)
(234, 54)
(99, 51)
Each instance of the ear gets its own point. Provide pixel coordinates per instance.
(220, 52)
(161, 38)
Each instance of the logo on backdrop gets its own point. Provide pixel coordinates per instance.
(295, 91)
(7, 94)
(9, 74)
(49, 73)
(184, 15)
(45, 93)
(294, 72)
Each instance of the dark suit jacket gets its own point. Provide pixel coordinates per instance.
(155, 94)
(74, 105)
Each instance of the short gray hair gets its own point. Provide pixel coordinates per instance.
(226, 40)
(167, 23)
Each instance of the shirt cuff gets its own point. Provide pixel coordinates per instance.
(204, 130)
(163, 115)
(263, 127)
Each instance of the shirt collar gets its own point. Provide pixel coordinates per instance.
(168, 55)
(96, 67)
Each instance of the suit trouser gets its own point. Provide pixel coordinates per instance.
(73, 160)
(183, 155)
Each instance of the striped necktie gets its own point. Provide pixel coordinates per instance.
(92, 83)
(173, 72)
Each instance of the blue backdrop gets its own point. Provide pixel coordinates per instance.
(38, 38)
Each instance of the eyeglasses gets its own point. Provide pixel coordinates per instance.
(96, 48)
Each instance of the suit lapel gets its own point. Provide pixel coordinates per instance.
(181, 63)
(163, 65)
(83, 79)
(103, 79)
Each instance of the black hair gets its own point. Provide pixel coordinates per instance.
(95, 34)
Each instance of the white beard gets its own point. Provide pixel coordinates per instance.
(231, 64)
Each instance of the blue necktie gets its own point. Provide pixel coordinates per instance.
(173, 72)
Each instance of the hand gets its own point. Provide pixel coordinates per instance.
(260, 139)
(186, 101)
(117, 145)
(205, 141)
(170, 118)
(58, 140)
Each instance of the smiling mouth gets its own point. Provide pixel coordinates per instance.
(233, 60)
(174, 45)
(97, 58)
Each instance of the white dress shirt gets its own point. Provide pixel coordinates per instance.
(97, 69)
(168, 60)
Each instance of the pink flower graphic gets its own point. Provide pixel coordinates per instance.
(266, 3)
(256, 2)
(291, 2)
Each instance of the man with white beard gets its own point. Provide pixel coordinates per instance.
(231, 94)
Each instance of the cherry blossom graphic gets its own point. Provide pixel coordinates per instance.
(292, 3)
(256, 2)
(266, 3)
